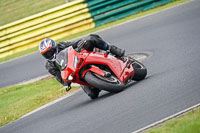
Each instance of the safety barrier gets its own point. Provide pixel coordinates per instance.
(66, 20)
(103, 11)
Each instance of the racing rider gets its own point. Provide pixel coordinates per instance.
(49, 49)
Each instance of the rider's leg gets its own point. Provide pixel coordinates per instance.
(94, 40)
(91, 92)
(116, 51)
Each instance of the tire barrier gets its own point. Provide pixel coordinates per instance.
(67, 19)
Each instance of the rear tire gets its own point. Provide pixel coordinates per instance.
(111, 84)
(140, 71)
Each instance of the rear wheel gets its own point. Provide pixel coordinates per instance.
(111, 83)
(140, 70)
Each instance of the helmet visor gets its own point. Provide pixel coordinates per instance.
(49, 54)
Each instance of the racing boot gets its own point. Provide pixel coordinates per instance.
(93, 93)
(116, 51)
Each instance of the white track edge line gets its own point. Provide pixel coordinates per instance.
(167, 118)
(70, 94)
(51, 103)
(67, 95)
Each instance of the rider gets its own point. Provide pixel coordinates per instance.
(49, 49)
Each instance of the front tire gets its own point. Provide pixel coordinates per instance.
(111, 83)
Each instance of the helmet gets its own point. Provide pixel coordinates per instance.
(47, 48)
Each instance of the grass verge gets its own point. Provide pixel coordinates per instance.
(188, 123)
(99, 28)
(13, 10)
(16, 101)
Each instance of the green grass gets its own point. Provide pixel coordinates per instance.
(18, 100)
(12, 10)
(98, 28)
(189, 123)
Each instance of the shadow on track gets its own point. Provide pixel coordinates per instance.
(88, 101)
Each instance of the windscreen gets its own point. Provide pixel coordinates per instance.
(61, 59)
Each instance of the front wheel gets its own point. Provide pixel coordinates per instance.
(111, 83)
(140, 70)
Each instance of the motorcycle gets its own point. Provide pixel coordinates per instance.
(97, 69)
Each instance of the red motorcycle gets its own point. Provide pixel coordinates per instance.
(97, 69)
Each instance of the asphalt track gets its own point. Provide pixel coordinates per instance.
(172, 84)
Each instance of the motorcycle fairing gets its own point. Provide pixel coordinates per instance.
(118, 67)
(70, 66)
(94, 69)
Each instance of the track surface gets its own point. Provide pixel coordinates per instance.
(173, 82)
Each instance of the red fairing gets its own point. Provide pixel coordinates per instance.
(94, 69)
(64, 75)
(70, 65)
(118, 67)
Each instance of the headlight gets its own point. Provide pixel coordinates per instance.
(76, 61)
(70, 77)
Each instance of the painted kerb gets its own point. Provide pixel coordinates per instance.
(66, 20)
(56, 23)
